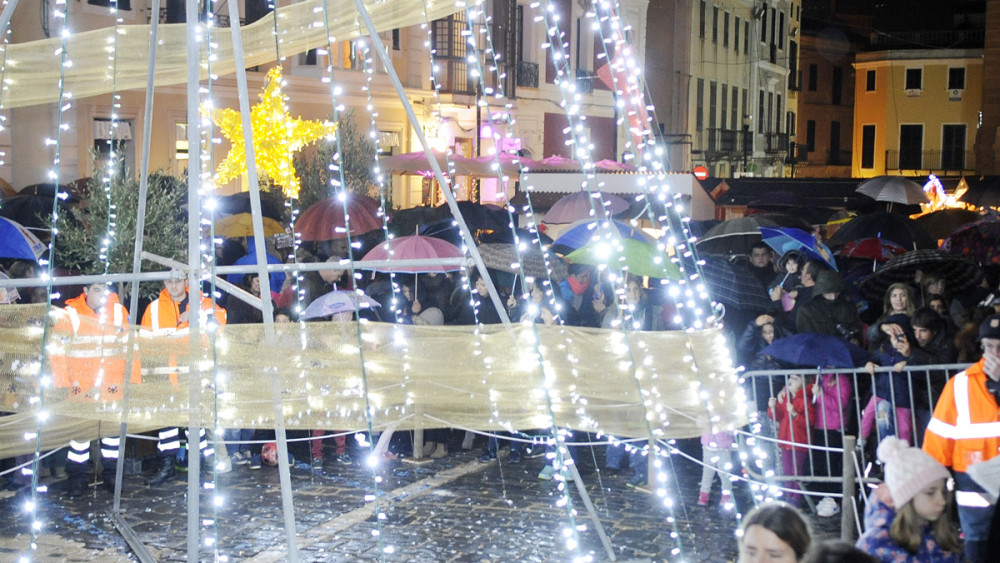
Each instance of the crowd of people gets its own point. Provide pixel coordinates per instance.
(918, 323)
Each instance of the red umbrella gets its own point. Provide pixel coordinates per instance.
(578, 205)
(976, 241)
(872, 248)
(324, 220)
(415, 247)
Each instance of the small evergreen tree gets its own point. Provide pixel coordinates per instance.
(357, 158)
(79, 240)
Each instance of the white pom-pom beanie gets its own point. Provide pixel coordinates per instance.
(908, 470)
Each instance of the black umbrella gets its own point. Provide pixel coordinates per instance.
(736, 236)
(958, 273)
(271, 205)
(733, 285)
(478, 216)
(943, 222)
(889, 226)
(32, 211)
(983, 192)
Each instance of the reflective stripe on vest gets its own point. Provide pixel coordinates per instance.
(963, 427)
(971, 499)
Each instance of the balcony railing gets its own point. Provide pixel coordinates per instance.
(775, 142)
(527, 74)
(723, 141)
(945, 161)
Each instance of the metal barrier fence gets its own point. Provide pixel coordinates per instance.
(803, 438)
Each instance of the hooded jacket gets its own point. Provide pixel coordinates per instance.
(877, 542)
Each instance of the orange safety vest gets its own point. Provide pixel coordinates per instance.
(98, 355)
(163, 315)
(965, 428)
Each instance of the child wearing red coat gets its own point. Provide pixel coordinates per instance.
(795, 413)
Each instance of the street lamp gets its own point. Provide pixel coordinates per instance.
(747, 141)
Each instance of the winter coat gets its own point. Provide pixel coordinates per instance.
(794, 428)
(824, 316)
(833, 401)
(876, 540)
(891, 386)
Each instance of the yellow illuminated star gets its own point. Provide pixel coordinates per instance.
(277, 136)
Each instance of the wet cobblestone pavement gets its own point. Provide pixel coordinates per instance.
(453, 509)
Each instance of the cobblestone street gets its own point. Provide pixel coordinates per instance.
(453, 509)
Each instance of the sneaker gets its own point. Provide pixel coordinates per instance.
(487, 457)
(223, 466)
(547, 472)
(531, 452)
(240, 458)
(515, 457)
(345, 459)
(827, 508)
(703, 498)
(255, 461)
(635, 483)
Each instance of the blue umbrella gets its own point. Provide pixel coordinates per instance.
(580, 233)
(784, 239)
(809, 349)
(17, 242)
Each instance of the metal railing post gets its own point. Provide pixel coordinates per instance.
(847, 530)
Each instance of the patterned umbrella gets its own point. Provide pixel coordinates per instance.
(959, 274)
(324, 220)
(733, 286)
(503, 257)
(977, 241)
(337, 301)
(579, 205)
(415, 247)
(893, 189)
(884, 225)
(638, 257)
(871, 248)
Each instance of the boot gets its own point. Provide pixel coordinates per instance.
(109, 468)
(167, 472)
(76, 485)
(429, 448)
(440, 451)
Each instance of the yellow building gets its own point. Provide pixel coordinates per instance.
(916, 112)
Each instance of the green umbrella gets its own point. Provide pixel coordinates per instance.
(641, 258)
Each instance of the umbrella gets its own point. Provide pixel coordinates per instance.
(241, 225)
(785, 239)
(893, 189)
(809, 349)
(943, 222)
(271, 204)
(583, 231)
(31, 211)
(732, 285)
(977, 241)
(503, 257)
(324, 220)
(736, 236)
(478, 216)
(871, 248)
(959, 274)
(583, 205)
(17, 242)
(337, 301)
(887, 226)
(418, 163)
(415, 247)
(638, 257)
(558, 164)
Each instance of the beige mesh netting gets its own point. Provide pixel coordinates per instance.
(33, 68)
(484, 378)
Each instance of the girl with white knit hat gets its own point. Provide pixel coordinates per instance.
(908, 517)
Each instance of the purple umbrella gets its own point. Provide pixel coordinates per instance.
(580, 205)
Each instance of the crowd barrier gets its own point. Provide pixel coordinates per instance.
(845, 421)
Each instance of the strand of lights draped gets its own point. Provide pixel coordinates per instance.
(337, 185)
(207, 185)
(43, 372)
(3, 86)
(582, 150)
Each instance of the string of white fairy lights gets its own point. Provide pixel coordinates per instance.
(338, 188)
(3, 86)
(42, 371)
(613, 30)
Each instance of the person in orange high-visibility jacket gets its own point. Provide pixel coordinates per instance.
(94, 367)
(168, 314)
(965, 430)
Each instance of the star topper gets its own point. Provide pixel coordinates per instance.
(277, 136)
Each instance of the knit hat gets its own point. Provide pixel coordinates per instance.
(990, 327)
(908, 470)
(827, 281)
